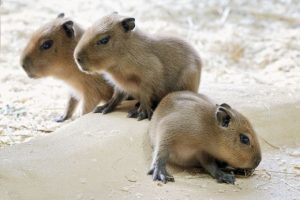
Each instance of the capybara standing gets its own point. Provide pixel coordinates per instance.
(147, 67)
(49, 52)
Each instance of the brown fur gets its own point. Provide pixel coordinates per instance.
(146, 67)
(185, 130)
(58, 62)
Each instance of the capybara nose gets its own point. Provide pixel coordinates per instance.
(257, 161)
(79, 60)
(25, 63)
(24, 66)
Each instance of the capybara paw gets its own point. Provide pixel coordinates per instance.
(60, 119)
(108, 109)
(103, 109)
(160, 174)
(144, 114)
(226, 178)
(150, 113)
(133, 113)
(99, 109)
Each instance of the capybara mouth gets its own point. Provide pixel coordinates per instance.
(33, 76)
(83, 68)
(30, 74)
(244, 172)
(87, 71)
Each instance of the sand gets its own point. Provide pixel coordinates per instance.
(250, 52)
(88, 159)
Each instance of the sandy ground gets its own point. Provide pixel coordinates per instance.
(250, 51)
(241, 43)
(88, 159)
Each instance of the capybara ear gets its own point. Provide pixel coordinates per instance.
(223, 115)
(68, 28)
(128, 24)
(61, 15)
(225, 105)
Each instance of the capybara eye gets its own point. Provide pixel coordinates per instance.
(103, 40)
(47, 44)
(244, 139)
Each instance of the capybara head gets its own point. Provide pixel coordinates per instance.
(236, 142)
(50, 49)
(102, 43)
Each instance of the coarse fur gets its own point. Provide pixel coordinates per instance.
(187, 129)
(60, 36)
(148, 67)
